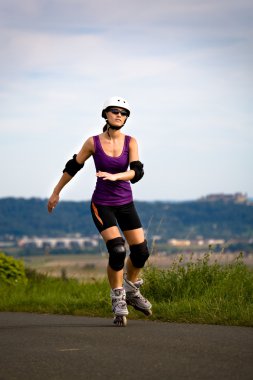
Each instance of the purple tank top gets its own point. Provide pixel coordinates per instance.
(111, 193)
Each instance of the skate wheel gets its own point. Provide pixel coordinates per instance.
(148, 312)
(120, 321)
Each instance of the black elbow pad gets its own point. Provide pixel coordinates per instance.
(72, 166)
(137, 166)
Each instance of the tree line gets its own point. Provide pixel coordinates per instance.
(181, 220)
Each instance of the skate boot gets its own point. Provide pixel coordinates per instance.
(119, 306)
(135, 298)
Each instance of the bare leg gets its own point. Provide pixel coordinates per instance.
(132, 272)
(132, 283)
(115, 278)
(133, 237)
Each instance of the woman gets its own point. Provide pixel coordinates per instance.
(112, 205)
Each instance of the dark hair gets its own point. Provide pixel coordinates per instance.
(105, 127)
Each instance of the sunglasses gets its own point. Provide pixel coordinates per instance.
(115, 111)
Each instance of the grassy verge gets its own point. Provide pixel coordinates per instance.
(191, 292)
(197, 292)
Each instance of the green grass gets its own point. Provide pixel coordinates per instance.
(200, 292)
(191, 292)
(53, 295)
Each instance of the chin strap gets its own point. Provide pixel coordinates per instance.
(113, 126)
(109, 126)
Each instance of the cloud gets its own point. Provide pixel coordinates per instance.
(186, 68)
(82, 17)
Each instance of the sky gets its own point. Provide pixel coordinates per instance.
(185, 67)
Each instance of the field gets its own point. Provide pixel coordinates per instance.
(92, 267)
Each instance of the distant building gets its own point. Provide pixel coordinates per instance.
(234, 198)
(216, 241)
(179, 243)
(58, 243)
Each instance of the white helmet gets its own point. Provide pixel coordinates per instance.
(115, 101)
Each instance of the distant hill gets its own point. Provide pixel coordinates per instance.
(182, 220)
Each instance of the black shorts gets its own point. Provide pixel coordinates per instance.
(124, 216)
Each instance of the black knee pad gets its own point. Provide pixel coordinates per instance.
(117, 253)
(139, 254)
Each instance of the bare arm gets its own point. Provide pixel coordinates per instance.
(86, 151)
(129, 174)
(124, 176)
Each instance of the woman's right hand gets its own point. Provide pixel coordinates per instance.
(52, 202)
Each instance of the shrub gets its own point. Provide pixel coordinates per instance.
(12, 271)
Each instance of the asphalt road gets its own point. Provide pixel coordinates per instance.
(35, 346)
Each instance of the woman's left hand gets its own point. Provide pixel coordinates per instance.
(107, 176)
